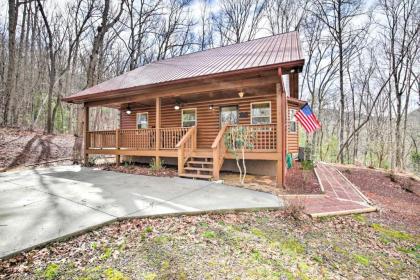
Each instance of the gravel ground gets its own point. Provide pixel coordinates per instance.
(258, 245)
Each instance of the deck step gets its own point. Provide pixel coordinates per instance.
(206, 159)
(198, 168)
(200, 176)
(200, 162)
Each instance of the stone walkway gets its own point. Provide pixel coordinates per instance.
(341, 196)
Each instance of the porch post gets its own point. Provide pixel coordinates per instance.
(86, 134)
(158, 103)
(294, 85)
(117, 146)
(281, 133)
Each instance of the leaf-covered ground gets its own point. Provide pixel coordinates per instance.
(19, 148)
(397, 196)
(257, 245)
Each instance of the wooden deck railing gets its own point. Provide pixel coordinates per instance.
(170, 137)
(101, 139)
(263, 136)
(136, 139)
(139, 139)
(219, 151)
(185, 147)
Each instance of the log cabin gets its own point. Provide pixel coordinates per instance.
(182, 109)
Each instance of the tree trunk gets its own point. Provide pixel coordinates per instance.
(11, 75)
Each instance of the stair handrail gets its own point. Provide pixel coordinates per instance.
(185, 138)
(218, 152)
(191, 135)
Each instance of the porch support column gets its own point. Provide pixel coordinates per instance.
(158, 105)
(86, 134)
(294, 85)
(281, 131)
(117, 147)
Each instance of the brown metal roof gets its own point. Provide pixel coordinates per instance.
(273, 50)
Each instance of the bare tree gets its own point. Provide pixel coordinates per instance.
(205, 35)
(285, 15)
(11, 65)
(174, 35)
(338, 16)
(52, 67)
(400, 39)
(142, 20)
(319, 73)
(98, 40)
(238, 20)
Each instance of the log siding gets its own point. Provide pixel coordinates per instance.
(208, 122)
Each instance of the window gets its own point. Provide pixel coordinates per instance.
(261, 113)
(189, 117)
(142, 120)
(229, 115)
(292, 121)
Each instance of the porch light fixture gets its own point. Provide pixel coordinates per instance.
(210, 107)
(128, 110)
(292, 71)
(241, 94)
(177, 105)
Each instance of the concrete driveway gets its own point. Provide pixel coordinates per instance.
(42, 205)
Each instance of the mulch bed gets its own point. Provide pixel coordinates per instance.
(397, 196)
(22, 148)
(250, 245)
(298, 181)
(141, 169)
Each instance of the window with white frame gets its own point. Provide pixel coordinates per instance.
(142, 120)
(229, 115)
(292, 121)
(261, 113)
(189, 117)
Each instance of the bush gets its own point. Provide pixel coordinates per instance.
(307, 165)
(295, 210)
(156, 165)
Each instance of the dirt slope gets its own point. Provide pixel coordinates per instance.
(22, 148)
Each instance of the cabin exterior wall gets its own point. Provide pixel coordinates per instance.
(208, 122)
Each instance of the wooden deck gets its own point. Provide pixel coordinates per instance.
(181, 143)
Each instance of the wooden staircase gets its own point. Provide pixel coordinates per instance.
(198, 167)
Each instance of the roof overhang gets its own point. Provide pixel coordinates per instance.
(229, 80)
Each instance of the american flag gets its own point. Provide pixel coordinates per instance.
(307, 119)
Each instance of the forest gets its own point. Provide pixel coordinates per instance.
(361, 74)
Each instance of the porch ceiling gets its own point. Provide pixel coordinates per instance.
(262, 83)
(204, 97)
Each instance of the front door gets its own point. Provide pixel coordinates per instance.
(229, 115)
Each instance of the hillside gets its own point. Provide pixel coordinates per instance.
(20, 148)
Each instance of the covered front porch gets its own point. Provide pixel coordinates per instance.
(193, 125)
(180, 142)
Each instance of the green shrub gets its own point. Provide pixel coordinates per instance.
(293, 245)
(156, 165)
(361, 259)
(209, 234)
(390, 233)
(307, 165)
(51, 271)
(106, 253)
(113, 274)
